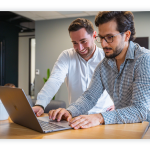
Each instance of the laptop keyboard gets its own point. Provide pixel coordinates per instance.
(49, 125)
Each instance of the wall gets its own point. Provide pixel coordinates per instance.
(52, 38)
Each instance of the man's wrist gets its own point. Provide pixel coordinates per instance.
(69, 112)
(40, 106)
(101, 119)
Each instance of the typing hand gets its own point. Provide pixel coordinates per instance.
(38, 110)
(59, 114)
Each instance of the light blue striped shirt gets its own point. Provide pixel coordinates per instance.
(129, 88)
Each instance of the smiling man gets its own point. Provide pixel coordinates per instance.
(124, 73)
(77, 65)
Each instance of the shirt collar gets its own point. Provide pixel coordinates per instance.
(129, 55)
(130, 51)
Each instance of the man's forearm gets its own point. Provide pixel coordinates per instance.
(129, 114)
(47, 92)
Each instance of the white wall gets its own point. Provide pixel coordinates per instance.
(52, 38)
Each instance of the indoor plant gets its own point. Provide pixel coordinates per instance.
(45, 79)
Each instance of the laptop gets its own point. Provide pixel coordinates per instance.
(21, 112)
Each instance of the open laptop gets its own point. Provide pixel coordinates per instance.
(21, 112)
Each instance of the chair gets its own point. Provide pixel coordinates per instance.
(54, 104)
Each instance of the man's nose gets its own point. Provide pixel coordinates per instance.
(81, 47)
(104, 43)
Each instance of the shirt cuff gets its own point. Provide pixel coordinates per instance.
(73, 111)
(109, 117)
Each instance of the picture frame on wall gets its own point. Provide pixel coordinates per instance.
(142, 41)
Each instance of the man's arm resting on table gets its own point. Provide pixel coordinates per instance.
(86, 121)
(82, 121)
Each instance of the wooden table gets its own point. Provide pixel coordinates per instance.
(10, 130)
(147, 135)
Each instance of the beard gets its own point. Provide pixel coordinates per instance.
(116, 52)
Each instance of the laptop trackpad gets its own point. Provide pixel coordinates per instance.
(60, 123)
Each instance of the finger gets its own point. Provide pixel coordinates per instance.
(50, 114)
(35, 109)
(74, 119)
(40, 112)
(88, 125)
(77, 123)
(82, 124)
(69, 118)
(61, 113)
(55, 113)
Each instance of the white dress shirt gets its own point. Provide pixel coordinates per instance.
(77, 73)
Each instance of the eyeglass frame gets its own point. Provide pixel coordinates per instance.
(106, 36)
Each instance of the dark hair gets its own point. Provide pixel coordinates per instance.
(9, 84)
(124, 20)
(81, 23)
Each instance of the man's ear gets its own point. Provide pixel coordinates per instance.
(127, 35)
(94, 34)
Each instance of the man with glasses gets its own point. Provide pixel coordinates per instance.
(77, 65)
(124, 73)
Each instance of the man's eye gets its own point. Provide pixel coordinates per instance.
(109, 37)
(83, 42)
(74, 43)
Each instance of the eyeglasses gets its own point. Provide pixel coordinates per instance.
(108, 39)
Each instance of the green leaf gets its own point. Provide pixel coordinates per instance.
(53, 98)
(44, 80)
(48, 73)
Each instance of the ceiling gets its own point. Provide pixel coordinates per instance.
(17, 20)
(47, 15)
(25, 20)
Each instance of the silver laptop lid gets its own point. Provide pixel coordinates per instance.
(18, 107)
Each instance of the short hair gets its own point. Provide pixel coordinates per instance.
(10, 85)
(81, 23)
(124, 20)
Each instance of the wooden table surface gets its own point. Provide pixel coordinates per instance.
(147, 135)
(10, 130)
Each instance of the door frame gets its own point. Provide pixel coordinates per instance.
(2, 60)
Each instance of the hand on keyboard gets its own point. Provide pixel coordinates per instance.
(60, 114)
